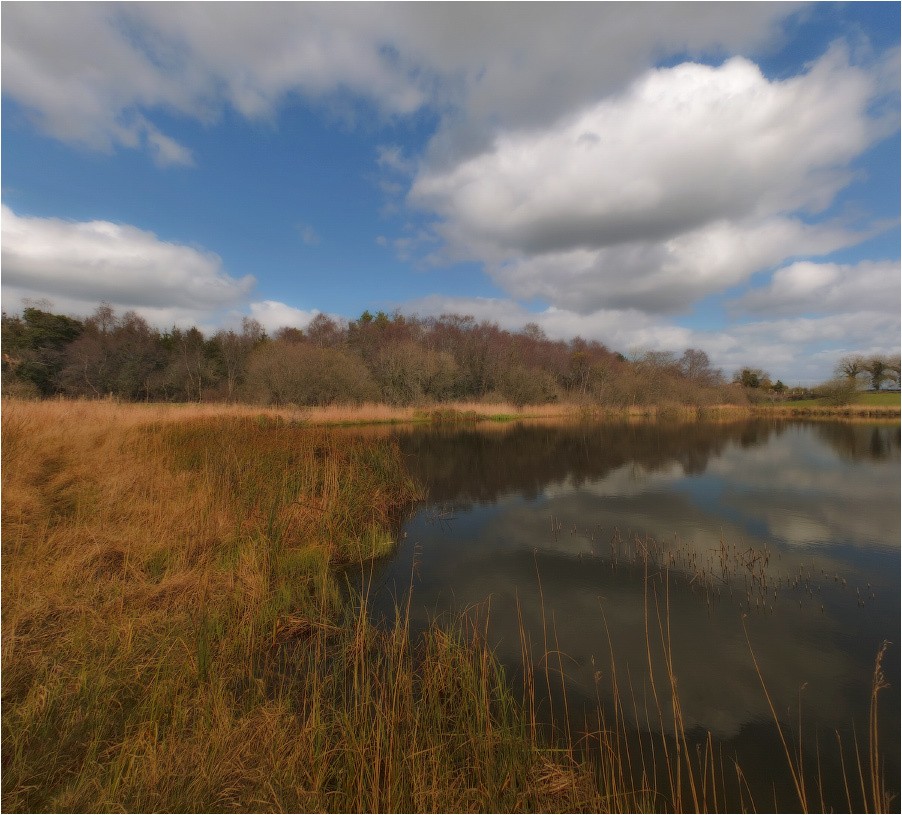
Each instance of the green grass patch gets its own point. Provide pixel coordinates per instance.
(879, 399)
(864, 399)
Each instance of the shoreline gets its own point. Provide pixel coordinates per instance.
(454, 413)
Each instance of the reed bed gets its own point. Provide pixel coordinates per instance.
(446, 412)
(176, 638)
(375, 413)
(860, 411)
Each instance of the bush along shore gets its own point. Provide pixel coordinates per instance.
(176, 638)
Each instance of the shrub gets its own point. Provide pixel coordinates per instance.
(528, 386)
(839, 391)
(303, 374)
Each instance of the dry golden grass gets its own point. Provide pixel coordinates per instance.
(366, 413)
(131, 576)
(84, 411)
(132, 414)
(174, 638)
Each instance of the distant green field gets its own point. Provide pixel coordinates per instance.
(869, 399)
(878, 399)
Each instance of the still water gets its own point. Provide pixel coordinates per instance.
(778, 538)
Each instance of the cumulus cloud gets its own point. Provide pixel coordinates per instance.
(72, 266)
(78, 264)
(505, 71)
(682, 147)
(80, 74)
(688, 182)
(665, 276)
(806, 287)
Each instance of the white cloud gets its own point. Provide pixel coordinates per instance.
(681, 147)
(82, 69)
(681, 186)
(167, 152)
(854, 326)
(505, 70)
(79, 72)
(806, 287)
(78, 264)
(665, 276)
(273, 315)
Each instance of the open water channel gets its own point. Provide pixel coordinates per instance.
(776, 538)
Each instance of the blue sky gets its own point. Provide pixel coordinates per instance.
(720, 176)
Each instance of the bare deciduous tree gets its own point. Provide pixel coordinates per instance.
(877, 370)
(851, 366)
(234, 349)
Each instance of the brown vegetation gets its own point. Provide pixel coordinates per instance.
(834, 411)
(399, 360)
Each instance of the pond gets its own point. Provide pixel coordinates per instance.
(590, 546)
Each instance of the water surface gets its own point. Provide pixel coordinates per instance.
(782, 536)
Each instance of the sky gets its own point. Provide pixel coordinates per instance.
(654, 177)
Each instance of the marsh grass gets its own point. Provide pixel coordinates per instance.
(175, 638)
(865, 406)
(445, 413)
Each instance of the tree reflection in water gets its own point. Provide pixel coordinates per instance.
(549, 525)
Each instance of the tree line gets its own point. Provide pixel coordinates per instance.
(852, 374)
(396, 359)
(873, 371)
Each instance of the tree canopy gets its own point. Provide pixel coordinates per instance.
(398, 359)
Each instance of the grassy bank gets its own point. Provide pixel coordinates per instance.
(860, 400)
(865, 405)
(174, 638)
